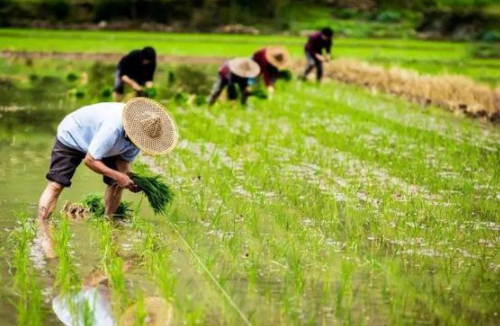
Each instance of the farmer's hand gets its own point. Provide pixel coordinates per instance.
(149, 84)
(320, 57)
(136, 87)
(270, 92)
(124, 181)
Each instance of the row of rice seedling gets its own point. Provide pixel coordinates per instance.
(455, 93)
(112, 264)
(277, 220)
(67, 280)
(26, 285)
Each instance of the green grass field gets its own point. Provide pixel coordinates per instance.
(426, 56)
(326, 205)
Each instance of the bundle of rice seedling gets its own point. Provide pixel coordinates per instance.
(157, 192)
(149, 92)
(260, 94)
(124, 209)
(95, 206)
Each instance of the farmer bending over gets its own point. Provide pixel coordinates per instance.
(136, 69)
(271, 60)
(106, 137)
(235, 72)
(314, 52)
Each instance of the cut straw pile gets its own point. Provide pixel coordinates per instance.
(157, 192)
(455, 93)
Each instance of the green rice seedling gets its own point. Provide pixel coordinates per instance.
(71, 77)
(113, 264)
(260, 94)
(284, 196)
(94, 203)
(29, 306)
(158, 193)
(149, 92)
(67, 279)
(106, 92)
(124, 209)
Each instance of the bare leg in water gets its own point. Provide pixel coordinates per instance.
(46, 206)
(112, 198)
(113, 194)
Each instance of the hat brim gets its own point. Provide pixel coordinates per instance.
(135, 110)
(236, 67)
(159, 310)
(273, 51)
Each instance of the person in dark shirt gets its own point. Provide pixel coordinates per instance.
(318, 42)
(136, 69)
(271, 60)
(235, 72)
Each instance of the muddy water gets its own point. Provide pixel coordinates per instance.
(27, 131)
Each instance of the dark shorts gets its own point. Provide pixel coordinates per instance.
(64, 161)
(119, 87)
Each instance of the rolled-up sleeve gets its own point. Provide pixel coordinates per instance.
(103, 141)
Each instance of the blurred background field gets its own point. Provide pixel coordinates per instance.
(430, 57)
(331, 204)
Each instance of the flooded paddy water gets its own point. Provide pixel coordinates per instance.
(328, 205)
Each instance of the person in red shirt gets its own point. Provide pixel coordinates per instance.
(271, 60)
(318, 42)
(235, 72)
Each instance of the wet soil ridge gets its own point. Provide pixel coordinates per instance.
(455, 93)
(110, 57)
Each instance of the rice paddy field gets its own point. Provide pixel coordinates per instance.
(327, 205)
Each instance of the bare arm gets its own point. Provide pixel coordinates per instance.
(127, 80)
(320, 57)
(122, 179)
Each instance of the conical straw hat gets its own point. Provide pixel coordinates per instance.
(278, 56)
(149, 126)
(243, 67)
(159, 312)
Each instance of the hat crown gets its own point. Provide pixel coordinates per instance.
(246, 66)
(279, 56)
(151, 125)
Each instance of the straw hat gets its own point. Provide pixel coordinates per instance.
(158, 311)
(278, 56)
(149, 126)
(243, 67)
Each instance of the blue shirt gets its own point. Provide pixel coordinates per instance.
(98, 130)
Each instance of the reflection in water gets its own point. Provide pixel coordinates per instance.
(90, 306)
(28, 122)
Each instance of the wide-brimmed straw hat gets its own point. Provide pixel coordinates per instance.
(244, 67)
(158, 312)
(278, 56)
(149, 126)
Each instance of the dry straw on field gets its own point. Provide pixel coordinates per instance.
(455, 93)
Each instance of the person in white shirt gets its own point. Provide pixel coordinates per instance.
(106, 137)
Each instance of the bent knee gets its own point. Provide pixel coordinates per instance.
(55, 187)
